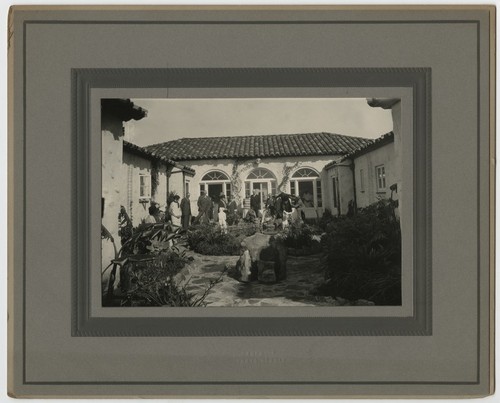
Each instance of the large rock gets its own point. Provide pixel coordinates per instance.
(243, 270)
(255, 243)
(266, 271)
(262, 247)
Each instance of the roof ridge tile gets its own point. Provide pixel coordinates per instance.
(272, 145)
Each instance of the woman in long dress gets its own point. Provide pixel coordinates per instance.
(175, 212)
(222, 213)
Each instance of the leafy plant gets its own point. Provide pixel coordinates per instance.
(146, 243)
(235, 178)
(326, 219)
(364, 256)
(154, 285)
(244, 229)
(150, 238)
(285, 174)
(210, 240)
(297, 235)
(155, 177)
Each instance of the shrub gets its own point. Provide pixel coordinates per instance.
(232, 218)
(152, 291)
(147, 243)
(326, 219)
(209, 240)
(150, 238)
(298, 235)
(153, 284)
(243, 230)
(364, 256)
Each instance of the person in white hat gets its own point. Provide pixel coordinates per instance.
(175, 212)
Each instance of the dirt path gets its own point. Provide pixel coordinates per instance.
(303, 274)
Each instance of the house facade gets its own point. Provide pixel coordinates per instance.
(131, 176)
(364, 176)
(371, 172)
(271, 164)
(148, 180)
(326, 170)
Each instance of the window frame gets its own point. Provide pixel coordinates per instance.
(141, 195)
(335, 192)
(226, 183)
(362, 180)
(270, 180)
(217, 180)
(383, 178)
(293, 186)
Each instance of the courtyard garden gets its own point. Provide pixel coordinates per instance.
(331, 261)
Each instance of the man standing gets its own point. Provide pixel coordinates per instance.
(186, 211)
(255, 202)
(232, 207)
(204, 206)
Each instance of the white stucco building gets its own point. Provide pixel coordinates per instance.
(131, 176)
(325, 170)
(365, 176)
(238, 165)
(371, 172)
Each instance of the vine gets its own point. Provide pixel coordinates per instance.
(287, 169)
(155, 178)
(236, 182)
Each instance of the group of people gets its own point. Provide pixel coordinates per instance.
(178, 212)
(283, 206)
(217, 209)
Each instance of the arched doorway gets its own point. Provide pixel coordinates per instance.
(215, 183)
(262, 180)
(306, 184)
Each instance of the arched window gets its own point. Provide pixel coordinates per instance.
(305, 173)
(261, 180)
(215, 183)
(260, 173)
(215, 176)
(306, 184)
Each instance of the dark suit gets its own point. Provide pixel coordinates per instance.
(186, 212)
(204, 207)
(255, 203)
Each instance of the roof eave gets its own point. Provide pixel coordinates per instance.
(148, 154)
(124, 109)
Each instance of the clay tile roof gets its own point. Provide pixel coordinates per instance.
(143, 152)
(273, 145)
(363, 149)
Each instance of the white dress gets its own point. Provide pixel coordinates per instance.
(222, 217)
(175, 213)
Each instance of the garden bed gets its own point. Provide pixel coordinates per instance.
(363, 259)
(208, 239)
(314, 249)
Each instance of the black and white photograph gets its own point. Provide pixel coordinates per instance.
(251, 202)
(294, 201)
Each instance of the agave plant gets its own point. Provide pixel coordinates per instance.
(147, 241)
